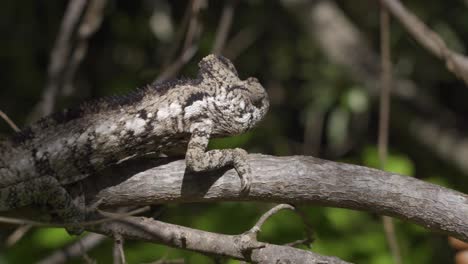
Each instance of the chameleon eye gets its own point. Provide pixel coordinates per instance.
(258, 103)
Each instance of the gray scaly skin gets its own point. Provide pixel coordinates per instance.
(163, 118)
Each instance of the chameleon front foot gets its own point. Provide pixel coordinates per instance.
(246, 181)
(199, 160)
(243, 169)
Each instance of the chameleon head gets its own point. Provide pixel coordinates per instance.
(239, 104)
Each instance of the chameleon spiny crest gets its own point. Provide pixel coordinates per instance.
(179, 115)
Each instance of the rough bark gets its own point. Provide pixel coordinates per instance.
(242, 246)
(294, 179)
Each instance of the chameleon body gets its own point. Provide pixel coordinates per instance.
(164, 118)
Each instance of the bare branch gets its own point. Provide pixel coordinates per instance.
(455, 62)
(194, 26)
(342, 42)
(17, 235)
(190, 44)
(119, 255)
(59, 58)
(240, 42)
(293, 180)
(76, 249)
(175, 67)
(9, 121)
(384, 120)
(144, 229)
(179, 36)
(257, 227)
(385, 88)
(224, 26)
(89, 25)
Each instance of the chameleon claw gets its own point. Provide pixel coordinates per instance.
(246, 181)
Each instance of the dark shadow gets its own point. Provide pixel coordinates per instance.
(197, 184)
(117, 174)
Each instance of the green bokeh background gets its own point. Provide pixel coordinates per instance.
(305, 87)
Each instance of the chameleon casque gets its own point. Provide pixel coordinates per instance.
(71, 145)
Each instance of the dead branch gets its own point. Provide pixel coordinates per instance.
(90, 23)
(76, 249)
(224, 26)
(455, 62)
(59, 58)
(384, 120)
(242, 246)
(342, 42)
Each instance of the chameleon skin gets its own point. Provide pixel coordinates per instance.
(164, 118)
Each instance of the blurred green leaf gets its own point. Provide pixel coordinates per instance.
(344, 220)
(357, 100)
(338, 126)
(396, 163)
(52, 237)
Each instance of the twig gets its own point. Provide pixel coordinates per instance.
(342, 42)
(240, 42)
(59, 58)
(455, 62)
(304, 241)
(118, 253)
(194, 25)
(190, 45)
(89, 25)
(146, 229)
(179, 37)
(384, 117)
(84, 254)
(224, 26)
(17, 235)
(9, 121)
(309, 232)
(256, 228)
(76, 249)
(172, 69)
(109, 218)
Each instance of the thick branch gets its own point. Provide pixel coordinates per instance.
(296, 179)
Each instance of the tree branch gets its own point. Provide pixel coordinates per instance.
(145, 229)
(295, 179)
(455, 62)
(75, 249)
(342, 42)
(59, 58)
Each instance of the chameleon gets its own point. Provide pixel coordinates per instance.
(168, 117)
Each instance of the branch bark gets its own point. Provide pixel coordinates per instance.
(456, 63)
(144, 229)
(342, 42)
(296, 180)
(59, 58)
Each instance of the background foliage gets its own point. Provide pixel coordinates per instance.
(318, 108)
